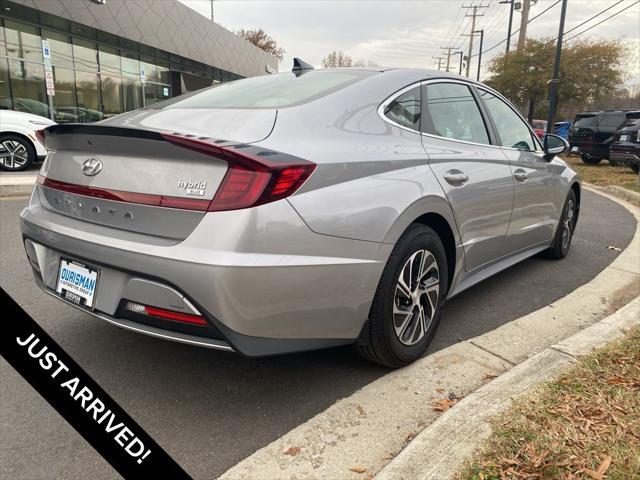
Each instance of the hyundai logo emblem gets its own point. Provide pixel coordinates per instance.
(91, 167)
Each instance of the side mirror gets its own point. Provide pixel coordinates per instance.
(554, 145)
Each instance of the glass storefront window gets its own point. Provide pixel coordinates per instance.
(23, 41)
(5, 91)
(111, 95)
(85, 55)
(154, 93)
(3, 43)
(109, 60)
(130, 64)
(27, 87)
(64, 101)
(131, 93)
(61, 52)
(88, 95)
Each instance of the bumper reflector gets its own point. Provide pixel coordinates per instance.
(164, 314)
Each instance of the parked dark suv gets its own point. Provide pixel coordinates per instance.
(592, 132)
(625, 148)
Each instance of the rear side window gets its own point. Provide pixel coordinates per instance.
(405, 109)
(585, 121)
(513, 131)
(611, 120)
(454, 113)
(271, 91)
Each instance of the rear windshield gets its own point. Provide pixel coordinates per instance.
(271, 91)
(589, 121)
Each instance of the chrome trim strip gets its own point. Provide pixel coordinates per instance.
(146, 330)
(391, 98)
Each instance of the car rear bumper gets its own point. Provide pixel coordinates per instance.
(624, 157)
(232, 269)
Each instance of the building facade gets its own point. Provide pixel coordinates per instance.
(108, 58)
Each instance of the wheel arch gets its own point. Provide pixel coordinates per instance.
(575, 186)
(434, 212)
(440, 225)
(21, 135)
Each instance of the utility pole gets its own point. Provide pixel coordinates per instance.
(510, 2)
(439, 59)
(553, 95)
(448, 49)
(461, 55)
(473, 16)
(481, 32)
(522, 37)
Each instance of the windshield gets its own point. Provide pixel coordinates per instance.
(271, 91)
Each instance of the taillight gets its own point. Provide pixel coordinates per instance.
(254, 176)
(164, 314)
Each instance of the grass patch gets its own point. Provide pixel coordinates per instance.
(603, 174)
(585, 425)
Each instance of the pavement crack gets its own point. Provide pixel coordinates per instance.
(492, 353)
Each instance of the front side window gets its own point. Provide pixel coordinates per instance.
(454, 113)
(405, 109)
(513, 131)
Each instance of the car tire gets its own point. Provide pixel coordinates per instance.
(16, 153)
(635, 167)
(589, 159)
(401, 324)
(564, 232)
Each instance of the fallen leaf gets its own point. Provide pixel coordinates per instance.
(489, 376)
(592, 474)
(292, 451)
(443, 405)
(614, 248)
(604, 466)
(358, 469)
(616, 380)
(389, 456)
(440, 390)
(361, 411)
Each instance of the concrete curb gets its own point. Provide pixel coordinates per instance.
(16, 184)
(625, 193)
(357, 436)
(443, 448)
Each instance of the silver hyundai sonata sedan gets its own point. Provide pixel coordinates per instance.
(297, 211)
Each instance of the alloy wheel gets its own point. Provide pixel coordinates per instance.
(13, 154)
(416, 297)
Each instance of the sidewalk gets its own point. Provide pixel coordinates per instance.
(14, 184)
(443, 448)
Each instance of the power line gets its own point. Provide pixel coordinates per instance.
(602, 21)
(516, 31)
(596, 15)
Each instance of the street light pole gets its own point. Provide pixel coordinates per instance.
(553, 94)
(510, 2)
(481, 32)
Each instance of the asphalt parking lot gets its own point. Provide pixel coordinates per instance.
(209, 409)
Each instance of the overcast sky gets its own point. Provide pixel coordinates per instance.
(409, 33)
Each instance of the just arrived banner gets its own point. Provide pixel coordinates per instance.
(79, 399)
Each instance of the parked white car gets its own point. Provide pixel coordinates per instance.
(19, 146)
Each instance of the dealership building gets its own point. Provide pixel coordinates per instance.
(102, 57)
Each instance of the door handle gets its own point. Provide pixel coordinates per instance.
(520, 175)
(456, 177)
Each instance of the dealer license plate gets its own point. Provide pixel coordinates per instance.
(77, 283)
(575, 149)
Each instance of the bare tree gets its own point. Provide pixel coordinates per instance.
(263, 41)
(337, 59)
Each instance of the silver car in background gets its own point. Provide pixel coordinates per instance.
(297, 211)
